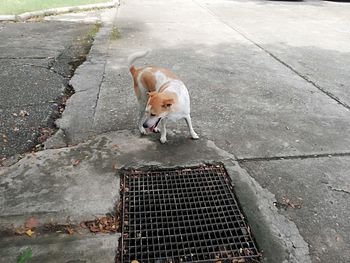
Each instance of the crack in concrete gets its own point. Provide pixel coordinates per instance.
(304, 77)
(329, 94)
(338, 189)
(49, 68)
(99, 91)
(291, 157)
(65, 137)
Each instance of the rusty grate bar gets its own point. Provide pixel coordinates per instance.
(183, 215)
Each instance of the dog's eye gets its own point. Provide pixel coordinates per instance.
(153, 115)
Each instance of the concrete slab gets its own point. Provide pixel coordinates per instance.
(259, 107)
(51, 185)
(321, 187)
(297, 33)
(49, 248)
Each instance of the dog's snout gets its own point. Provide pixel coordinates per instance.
(145, 125)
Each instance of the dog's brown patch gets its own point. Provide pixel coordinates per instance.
(135, 72)
(148, 81)
(165, 71)
(148, 78)
(161, 102)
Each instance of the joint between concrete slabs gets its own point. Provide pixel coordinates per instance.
(244, 35)
(292, 157)
(329, 94)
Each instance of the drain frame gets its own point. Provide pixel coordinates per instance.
(240, 247)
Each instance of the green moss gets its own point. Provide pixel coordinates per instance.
(115, 34)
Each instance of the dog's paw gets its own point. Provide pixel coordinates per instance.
(194, 136)
(143, 131)
(162, 139)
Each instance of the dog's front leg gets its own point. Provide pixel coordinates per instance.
(163, 130)
(189, 124)
(141, 120)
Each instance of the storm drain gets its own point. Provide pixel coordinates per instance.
(183, 215)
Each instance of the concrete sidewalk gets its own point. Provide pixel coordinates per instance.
(261, 103)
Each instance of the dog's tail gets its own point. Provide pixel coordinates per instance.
(133, 57)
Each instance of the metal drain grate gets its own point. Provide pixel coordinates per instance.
(183, 215)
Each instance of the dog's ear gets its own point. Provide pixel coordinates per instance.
(167, 103)
(152, 93)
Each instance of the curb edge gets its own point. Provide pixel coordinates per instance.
(55, 11)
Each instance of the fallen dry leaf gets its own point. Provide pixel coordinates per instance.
(76, 162)
(45, 133)
(20, 230)
(104, 224)
(29, 232)
(4, 138)
(70, 230)
(291, 204)
(31, 223)
(23, 113)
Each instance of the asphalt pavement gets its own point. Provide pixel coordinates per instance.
(268, 84)
(37, 60)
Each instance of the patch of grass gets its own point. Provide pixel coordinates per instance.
(92, 33)
(15, 7)
(89, 37)
(115, 34)
(25, 256)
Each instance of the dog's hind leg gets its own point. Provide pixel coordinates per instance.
(189, 124)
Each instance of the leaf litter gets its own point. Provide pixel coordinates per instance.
(105, 224)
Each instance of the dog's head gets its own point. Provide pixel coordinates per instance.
(159, 105)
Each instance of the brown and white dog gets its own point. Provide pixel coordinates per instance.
(161, 96)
